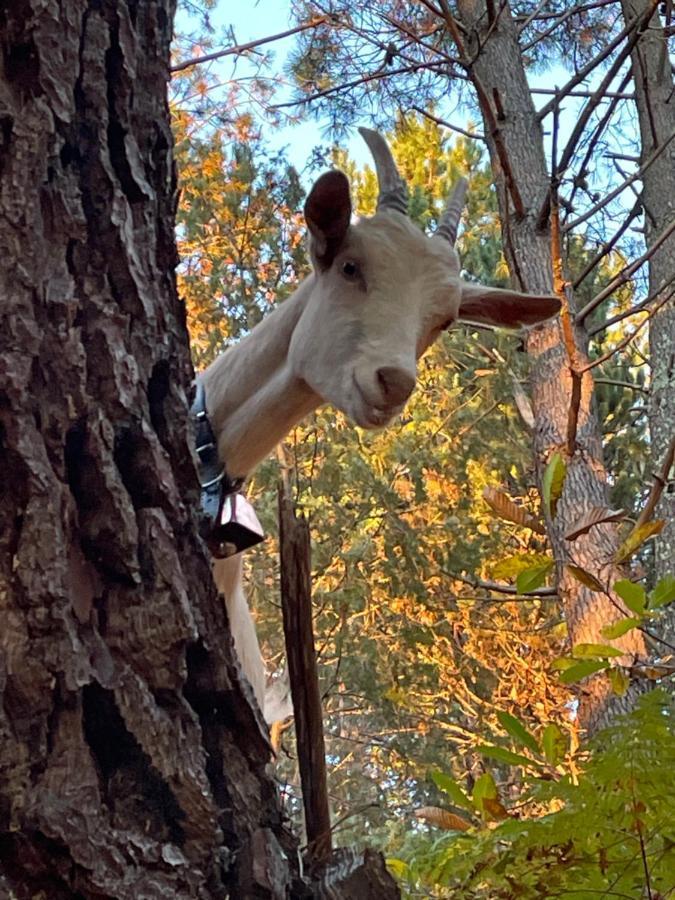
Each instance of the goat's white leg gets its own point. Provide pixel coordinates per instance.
(228, 576)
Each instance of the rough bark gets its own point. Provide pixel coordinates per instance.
(516, 148)
(132, 763)
(655, 101)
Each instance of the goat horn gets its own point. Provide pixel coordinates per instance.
(393, 191)
(447, 227)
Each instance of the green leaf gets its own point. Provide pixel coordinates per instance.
(553, 744)
(595, 651)
(618, 629)
(582, 670)
(533, 578)
(484, 787)
(562, 663)
(663, 593)
(398, 868)
(553, 481)
(450, 787)
(619, 681)
(636, 539)
(633, 595)
(588, 580)
(518, 732)
(502, 754)
(511, 566)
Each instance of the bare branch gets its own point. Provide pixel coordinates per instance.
(638, 23)
(625, 274)
(629, 337)
(243, 48)
(622, 187)
(476, 136)
(660, 481)
(498, 588)
(633, 310)
(608, 245)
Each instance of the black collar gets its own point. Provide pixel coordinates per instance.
(215, 481)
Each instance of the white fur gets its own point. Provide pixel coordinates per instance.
(326, 344)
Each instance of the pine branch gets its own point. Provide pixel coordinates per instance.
(243, 48)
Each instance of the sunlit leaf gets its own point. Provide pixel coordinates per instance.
(636, 539)
(517, 730)
(511, 566)
(618, 629)
(581, 575)
(562, 663)
(595, 651)
(633, 595)
(596, 515)
(582, 670)
(553, 482)
(533, 578)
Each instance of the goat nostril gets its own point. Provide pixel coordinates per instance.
(397, 384)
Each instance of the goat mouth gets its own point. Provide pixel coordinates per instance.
(368, 415)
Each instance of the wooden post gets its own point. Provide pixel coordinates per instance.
(296, 601)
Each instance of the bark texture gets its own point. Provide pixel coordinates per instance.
(132, 763)
(515, 142)
(655, 100)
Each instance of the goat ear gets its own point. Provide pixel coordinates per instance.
(328, 210)
(507, 309)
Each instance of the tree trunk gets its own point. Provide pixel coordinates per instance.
(515, 143)
(133, 764)
(655, 100)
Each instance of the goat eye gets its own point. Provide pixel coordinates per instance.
(350, 270)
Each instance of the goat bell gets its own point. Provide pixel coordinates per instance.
(235, 529)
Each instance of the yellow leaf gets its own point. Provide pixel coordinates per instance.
(636, 539)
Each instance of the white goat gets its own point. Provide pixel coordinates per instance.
(350, 335)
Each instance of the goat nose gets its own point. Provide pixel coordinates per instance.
(397, 384)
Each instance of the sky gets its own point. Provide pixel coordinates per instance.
(249, 20)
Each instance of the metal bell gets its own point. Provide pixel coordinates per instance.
(236, 527)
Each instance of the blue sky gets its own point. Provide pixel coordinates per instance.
(254, 20)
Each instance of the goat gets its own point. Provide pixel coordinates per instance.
(379, 295)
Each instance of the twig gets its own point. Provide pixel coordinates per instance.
(660, 481)
(626, 384)
(633, 310)
(622, 187)
(595, 137)
(242, 48)
(625, 274)
(373, 76)
(595, 100)
(608, 245)
(477, 136)
(629, 337)
(499, 588)
(619, 95)
(638, 22)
